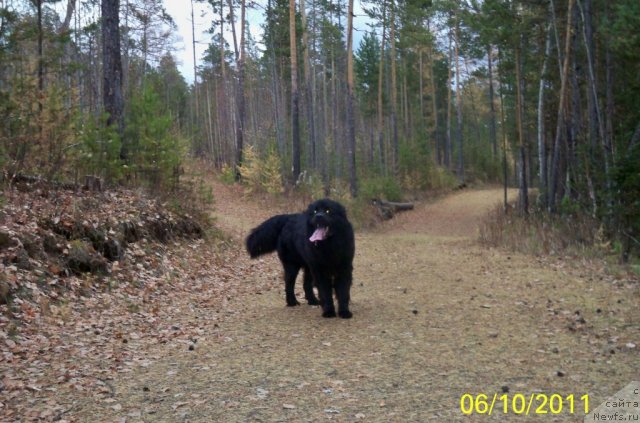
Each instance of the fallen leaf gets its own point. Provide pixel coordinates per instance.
(177, 405)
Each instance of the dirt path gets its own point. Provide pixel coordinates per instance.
(436, 316)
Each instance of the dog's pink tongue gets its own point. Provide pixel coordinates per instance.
(318, 235)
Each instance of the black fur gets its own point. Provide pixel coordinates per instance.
(327, 263)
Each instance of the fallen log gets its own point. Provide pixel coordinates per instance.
(30, 179)
(388, 209)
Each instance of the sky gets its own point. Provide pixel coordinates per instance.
(181, 13)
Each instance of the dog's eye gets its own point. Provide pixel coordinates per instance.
(327, 211)
(315, 211)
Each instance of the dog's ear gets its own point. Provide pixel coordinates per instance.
(311, 208)
(340, 210)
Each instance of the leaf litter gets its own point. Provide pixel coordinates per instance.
(116, 347)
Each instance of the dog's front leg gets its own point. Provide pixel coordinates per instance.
(343, 289)
(326, 296)
(308, 288)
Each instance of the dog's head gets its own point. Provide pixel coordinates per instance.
(323, 215)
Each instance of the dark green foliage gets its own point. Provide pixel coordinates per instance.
(172, 90)
(155, 148)
(366, 62)
(627, 195)
(212, 57)
(276, 37)
(380, 187)
(99, 151)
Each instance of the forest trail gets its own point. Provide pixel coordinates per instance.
(436, 316)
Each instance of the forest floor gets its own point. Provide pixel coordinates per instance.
(436, 316)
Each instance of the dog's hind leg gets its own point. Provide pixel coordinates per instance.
(290, 274)
(308, 288)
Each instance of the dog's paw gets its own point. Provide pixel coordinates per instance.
(345, 314)
(313, 301)
(329, 313)
(293, 303)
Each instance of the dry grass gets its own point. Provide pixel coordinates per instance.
(541, 233)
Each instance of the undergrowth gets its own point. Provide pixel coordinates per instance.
(261, 175)
(542, 233)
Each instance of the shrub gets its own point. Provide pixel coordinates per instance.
(261, 174)
(310, 186)
(99, 150)
(228, 174)
(381, 187)
(154, 146)
(541, 232)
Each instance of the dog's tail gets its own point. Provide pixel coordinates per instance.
(264, 238)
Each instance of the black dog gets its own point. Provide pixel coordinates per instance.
(321, 242)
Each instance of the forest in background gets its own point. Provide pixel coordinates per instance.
(543, 95)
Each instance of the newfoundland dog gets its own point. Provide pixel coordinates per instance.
(321, 242)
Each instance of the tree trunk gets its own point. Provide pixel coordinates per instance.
(112, 70)
(421, 89)
(609, 100)
(524, 191)
(334, 118)
(308, 86)
(460, 167)
(394, 92)
(492, 106)
(195, 67)
(596, 121)
(351, 126)
(474, 111)
(275, 91)
(222, 63)
(555, 171)
(380, 78)
(542, 147)
(211, 137)
(295, 114)
(40, 67)
(240, 95)
(232, 21)
(434, 106)
(447, 148)
(222, 101)
(325, 127)
(71, 6)
(405, 108)
(504, 141)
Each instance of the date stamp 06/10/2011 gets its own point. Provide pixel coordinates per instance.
(623, 406)
(524, 404)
